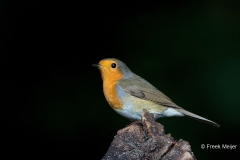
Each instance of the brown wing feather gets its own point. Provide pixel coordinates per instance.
(140, 88)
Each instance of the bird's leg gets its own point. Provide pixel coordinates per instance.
(155, 116)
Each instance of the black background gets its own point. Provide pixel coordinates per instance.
(52, 100)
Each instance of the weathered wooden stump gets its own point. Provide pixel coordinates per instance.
(146, 140)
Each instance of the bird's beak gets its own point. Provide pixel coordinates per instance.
(96, 65)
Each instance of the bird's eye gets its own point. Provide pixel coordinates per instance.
(113, 65)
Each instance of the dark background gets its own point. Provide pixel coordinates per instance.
(52, 99)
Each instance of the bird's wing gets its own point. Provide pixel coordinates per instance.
(140, 88)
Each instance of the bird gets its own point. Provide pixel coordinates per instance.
(128, 94)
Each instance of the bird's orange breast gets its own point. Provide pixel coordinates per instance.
(110, 78)
(110, 92)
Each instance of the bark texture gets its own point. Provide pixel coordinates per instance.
(146, 140)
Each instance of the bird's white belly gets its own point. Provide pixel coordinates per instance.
(129, 112)
(133, 108)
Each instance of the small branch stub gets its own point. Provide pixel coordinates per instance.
(146, 140)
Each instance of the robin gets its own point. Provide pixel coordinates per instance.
(128, 94)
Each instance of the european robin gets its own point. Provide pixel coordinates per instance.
(128, 94)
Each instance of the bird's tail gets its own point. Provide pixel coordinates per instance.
(196, 117)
